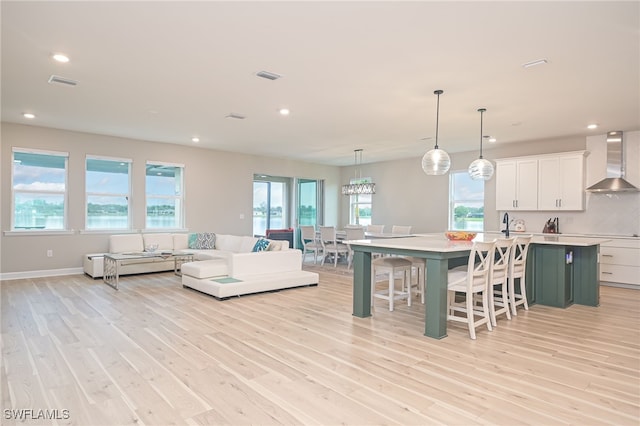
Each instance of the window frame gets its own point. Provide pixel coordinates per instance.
(178, 199)
(127, 195)
(453, 201)
(286, 202)
(354, 200)
(64, 193)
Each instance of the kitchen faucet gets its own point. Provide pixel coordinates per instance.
(505, 219)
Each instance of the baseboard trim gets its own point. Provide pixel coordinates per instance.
(39, 274)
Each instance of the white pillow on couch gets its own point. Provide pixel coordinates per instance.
(163, 241)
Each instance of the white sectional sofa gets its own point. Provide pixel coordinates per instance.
(247, 273)
(134, 243)
(233, 269)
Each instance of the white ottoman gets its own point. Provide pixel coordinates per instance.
(206, 268)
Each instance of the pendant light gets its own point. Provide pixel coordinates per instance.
(481, 169)
(436, 161)
(358, 187)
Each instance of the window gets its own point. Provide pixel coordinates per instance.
(360, 206)
(466, 202)
(39, 190)
(108, 190)
(165, 196)
(270, 205)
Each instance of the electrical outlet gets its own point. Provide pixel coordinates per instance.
(49, 253)
(241, 215)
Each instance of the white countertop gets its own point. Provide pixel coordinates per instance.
(439, 243)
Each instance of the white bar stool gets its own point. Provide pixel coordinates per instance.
(391, 266)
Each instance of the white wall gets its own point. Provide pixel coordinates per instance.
(218, 189)
(407, 196)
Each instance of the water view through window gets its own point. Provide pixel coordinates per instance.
(466, 202)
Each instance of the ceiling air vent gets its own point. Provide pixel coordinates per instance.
(62, 80)
(236, 116)
(268, 75)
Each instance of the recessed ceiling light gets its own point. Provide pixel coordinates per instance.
(535, 63)
(59, 57)
(284, 111)
(28, 115)
(592, 126)
(194, 139)
(492, 140)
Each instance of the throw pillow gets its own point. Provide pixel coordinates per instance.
(203, 241)
(192, 241)
(261, 245)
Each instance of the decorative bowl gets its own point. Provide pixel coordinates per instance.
(151, 248)
(460, 235)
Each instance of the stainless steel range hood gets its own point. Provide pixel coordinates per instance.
(614, 182)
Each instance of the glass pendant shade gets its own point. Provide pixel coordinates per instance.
(481, 169)
(436, 162)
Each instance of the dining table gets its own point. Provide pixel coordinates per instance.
(439, 253)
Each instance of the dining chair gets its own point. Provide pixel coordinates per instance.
(330, 244)
(517, 270)
(378, 229)
(352, 234)
(310, 242)
(474, 279)
(401, 229)
(498, 293)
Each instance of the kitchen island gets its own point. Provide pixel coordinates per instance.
(546, 271)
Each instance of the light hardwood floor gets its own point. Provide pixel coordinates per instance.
(154, 353)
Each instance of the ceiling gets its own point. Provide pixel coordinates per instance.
(354, 74)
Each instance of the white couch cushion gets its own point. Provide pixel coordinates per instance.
(247, 245)
(205, 268)
(124, 243)
(180, 241)
(164, 241)
(264, 262)
(278, 245)
(235, 243)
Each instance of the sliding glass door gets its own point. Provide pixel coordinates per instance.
(309, 205)
(282, 202)
(270, 205)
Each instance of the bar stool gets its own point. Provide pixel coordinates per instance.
(517, 270)
(472, 280)
(418, 263)
(498, 294)
(391, 266)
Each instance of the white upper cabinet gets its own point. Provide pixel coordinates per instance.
(541, 182)
(561, 182)
(517, 184)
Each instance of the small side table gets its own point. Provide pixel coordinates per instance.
(178, 259)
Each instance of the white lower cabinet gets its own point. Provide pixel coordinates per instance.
(620, 261)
